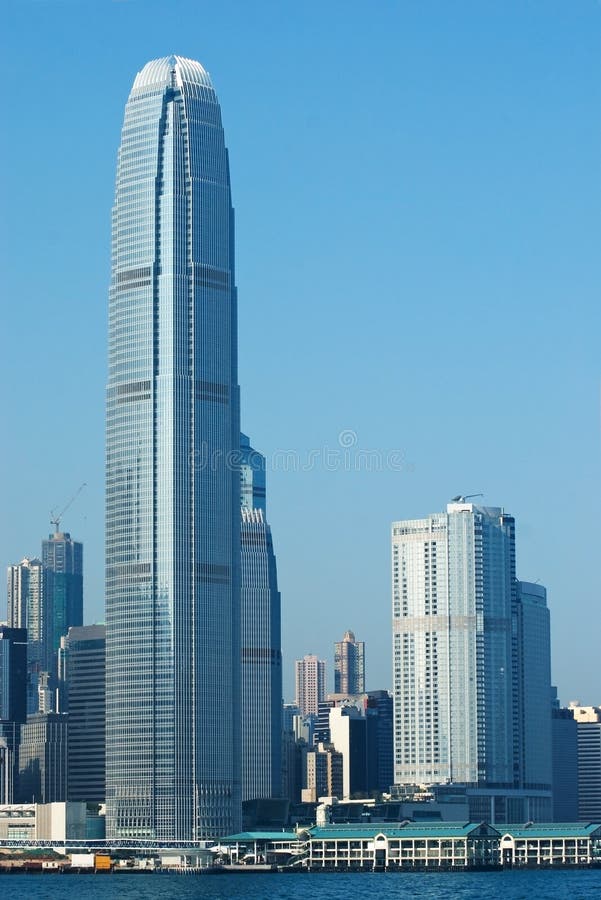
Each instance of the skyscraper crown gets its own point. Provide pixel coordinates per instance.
(164, 70)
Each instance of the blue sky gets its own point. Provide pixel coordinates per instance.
(417, 196)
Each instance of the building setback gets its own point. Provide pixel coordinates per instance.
(261, 654)
(172, 474)
(349, 665)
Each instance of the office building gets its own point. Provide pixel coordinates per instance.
(349, 665)
(321, 726)
(62, 559)
(261, 654)
(84, 672)
(348, 731)
(379, 712)
(172, 478)
(564, 730)
(13, 674)
(310, 682)
(532, 688)
(13, 706)
(588, 722)
(453, 599)
(43, 759)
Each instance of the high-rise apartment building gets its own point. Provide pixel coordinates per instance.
(29, 606)
(46, 597)
(453, 598)
(471, 663)
(261, 653)
(349, 665)
(310, 682)
(324, 767)
(172, 480)
(83, 671)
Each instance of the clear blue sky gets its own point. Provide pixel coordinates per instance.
(417, 194)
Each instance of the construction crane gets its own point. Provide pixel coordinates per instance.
(55, 519)
(461, 498)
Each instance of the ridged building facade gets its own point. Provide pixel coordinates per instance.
(261, 653)
(172, 480)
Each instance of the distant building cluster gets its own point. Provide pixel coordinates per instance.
(168, 720)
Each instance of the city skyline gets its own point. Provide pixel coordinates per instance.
(476, 240)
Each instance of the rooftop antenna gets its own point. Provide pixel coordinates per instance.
(55, 519)
(461, 498)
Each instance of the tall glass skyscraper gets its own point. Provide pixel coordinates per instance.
(261, 637)
(172, 480)
(63, 560)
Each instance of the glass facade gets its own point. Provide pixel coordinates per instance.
(172, 478)
(261, 654)
(62, 558)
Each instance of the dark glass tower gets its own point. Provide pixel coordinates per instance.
(62, 558)
(172, 480)
(84, 656)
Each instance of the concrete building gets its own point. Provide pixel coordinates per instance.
(43, 759)
(49, 821)
(348, 734)
(310, 682)
(471, 663)
(453, 600)
(349, 665)
(324, 773)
